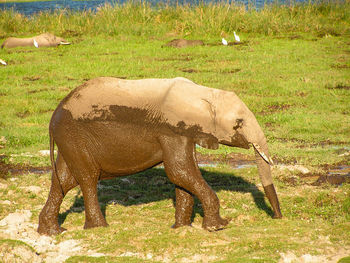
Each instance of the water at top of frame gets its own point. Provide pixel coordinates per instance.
(30, 8)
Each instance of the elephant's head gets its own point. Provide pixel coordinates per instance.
(235, 125)
(49, 40)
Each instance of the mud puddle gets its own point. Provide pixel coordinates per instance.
(12, 170)
(333, 175)
(336, 176)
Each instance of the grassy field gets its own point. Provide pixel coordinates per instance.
(292, 69)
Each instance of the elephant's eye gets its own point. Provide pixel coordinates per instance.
(239, 124)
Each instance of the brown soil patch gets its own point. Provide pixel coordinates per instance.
(293, 37)
(32, 78)
(23, 114)
(302, 94)
(333, 174)
(340, 66)
(190, 70)
(328, 142)
(19, 51)
(37, 91)
(232, 159)
(18, 169)
(71, 33)
(331, 32)
(275, 108)
(180, 58)
(340, 86)
(337, 179)
(242, 43)
(45, 111)
(232, 71)
(181, 43)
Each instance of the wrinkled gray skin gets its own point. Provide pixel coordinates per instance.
(111, 127)
(43, 40)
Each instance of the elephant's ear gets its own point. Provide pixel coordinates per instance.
(212, 119)
(208, 140)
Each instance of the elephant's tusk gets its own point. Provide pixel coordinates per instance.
(35, 43)
(262, 154)
(64, 43)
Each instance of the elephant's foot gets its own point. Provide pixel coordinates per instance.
(214, 223)
(180, 224)
(183, 219)
(95, 223)
(272, 196)
(50, 229)
(48, 224)
(277, 216)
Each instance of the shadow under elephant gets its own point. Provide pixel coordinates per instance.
(153, 185)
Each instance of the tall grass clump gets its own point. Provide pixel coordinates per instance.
(141, 18)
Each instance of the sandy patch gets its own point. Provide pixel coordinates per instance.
(34, 247)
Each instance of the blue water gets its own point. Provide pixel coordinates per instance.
(30, 8)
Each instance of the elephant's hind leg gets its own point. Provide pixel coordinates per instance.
(181, 168)
(87, 175)
(48, 218)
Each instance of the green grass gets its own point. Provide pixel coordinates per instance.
(139, 18)
(293, 86)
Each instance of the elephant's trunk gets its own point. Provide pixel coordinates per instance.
(264, 161)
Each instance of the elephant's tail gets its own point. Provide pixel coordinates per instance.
(53, 163)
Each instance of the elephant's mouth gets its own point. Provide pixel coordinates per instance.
(237, 140)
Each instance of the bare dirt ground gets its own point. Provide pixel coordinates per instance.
(19, 238)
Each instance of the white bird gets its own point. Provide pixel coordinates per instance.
(3, 62)
(35, 43)
(236, 37)
(224, 41)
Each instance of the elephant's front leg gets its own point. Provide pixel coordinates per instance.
(182, 169)
(184, 207)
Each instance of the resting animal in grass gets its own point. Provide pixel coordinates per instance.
(43, 40)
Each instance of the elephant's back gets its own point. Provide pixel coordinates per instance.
(99, 95)
(13, 42)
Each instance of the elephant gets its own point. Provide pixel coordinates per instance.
(110, 127)
(43, 40)
(180, 43)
